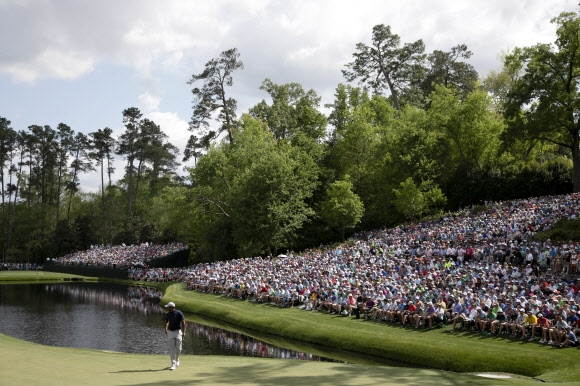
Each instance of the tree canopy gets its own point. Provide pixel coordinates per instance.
(417, 136)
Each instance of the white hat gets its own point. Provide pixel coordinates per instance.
(170, 304)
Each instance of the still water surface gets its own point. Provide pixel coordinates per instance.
(113, 317)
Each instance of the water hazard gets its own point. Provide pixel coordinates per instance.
(114, 317)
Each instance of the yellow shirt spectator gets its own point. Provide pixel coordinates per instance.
(530, 319)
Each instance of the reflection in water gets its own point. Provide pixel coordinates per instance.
(244, 345)
(139, 299)
(114, 317)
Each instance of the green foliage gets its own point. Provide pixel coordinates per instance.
(448, 70)
(342, 208)
(438, 141)
(292, 111)
(543, 103)
(256, 191)
(270, 192)
(414, 202)
(211, 97)
(385, 63)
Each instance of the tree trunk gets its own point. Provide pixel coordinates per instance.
(58, 192)
(576, 162)
(103, 181)
(394, 94)
(130, 188)
(13, 214)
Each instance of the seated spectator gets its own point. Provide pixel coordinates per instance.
(557, 333)
(408, 313)
(529, 324)
(570, 339)
(500, 321)
(543, 326)
(350, 304)
(518, 324)
(487, 321)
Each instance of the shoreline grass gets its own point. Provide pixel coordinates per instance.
(434, 349)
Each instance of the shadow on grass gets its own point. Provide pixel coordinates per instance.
(139, 371)
(290, 374)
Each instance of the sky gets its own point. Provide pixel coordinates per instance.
(83, 62)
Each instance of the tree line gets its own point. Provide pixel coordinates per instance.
(411, 135)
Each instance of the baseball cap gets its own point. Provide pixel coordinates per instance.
(170, 304)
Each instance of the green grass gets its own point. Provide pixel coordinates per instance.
(435, 349)
(33, 276)
(25, 363)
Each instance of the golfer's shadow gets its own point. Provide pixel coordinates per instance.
(139, 371)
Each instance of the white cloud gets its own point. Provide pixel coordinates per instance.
(148, 102)
(55, 64)
(158, 45)
(175, 128)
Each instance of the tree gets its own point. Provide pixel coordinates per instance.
(102, 148)
(386, 63)
(447, 69)
(21, 147)
(43, 160)
(65, 138)
(211, 97)
(7, 143)
(159, 154)
(7, 148)
(80, 163)
(498, 83)
(468, 142)
(254, 194)
(416, 201)
(194, 148)
(293, 110)
(270, 190)
(346, 99)
(126, 145)
(544, 103)
(342, 208)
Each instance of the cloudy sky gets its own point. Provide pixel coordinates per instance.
(83, 62)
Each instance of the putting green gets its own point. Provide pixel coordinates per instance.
(25, 363)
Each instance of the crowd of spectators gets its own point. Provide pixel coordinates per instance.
(479, 270)
(19, 267)
(475, 269)
(120, 256)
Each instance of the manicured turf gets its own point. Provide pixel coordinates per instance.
(34, 276)
(459, 353)
(26, 363)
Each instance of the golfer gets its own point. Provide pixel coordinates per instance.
(175, 331)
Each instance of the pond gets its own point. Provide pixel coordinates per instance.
(114, 317)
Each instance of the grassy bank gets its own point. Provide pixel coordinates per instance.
(437, 349)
